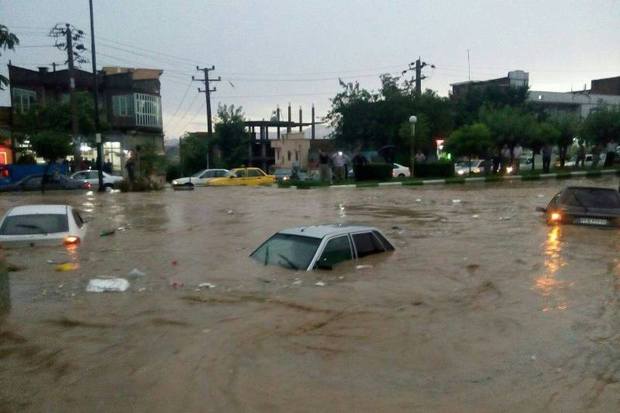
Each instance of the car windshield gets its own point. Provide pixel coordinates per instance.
(282, 172)
(197, 174)
(591, 198)
(290, 251)
(34, 224)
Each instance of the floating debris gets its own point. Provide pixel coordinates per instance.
(103, 285)
(67, 266)
(320, 284)
(206, 285)
(107, 232)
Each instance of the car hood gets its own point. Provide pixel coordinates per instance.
(186, 180)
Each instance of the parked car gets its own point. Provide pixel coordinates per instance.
(320, 246)
(400, 171)
(201, 178)
(572, 162)
(42, 225)
(92, 176)
(463, 167)
(584, 206)
(244, 177)
(33, 183)
(286, 174)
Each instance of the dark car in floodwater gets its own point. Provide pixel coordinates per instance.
(581, 205)
(33, 183)
(320, 246)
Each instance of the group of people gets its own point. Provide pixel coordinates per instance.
(506, 158)
(334, 167)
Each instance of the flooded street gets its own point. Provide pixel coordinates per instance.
(482, 307)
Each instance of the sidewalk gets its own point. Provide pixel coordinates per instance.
(461, 180)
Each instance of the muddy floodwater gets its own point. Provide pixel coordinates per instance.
(481, 308)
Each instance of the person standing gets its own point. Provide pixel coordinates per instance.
(610, 156)
(505, 154)
(596, 155)
(420, 157)
(581, 155)
(339, 161)
(324, 170)
(546, 157)
(517, 151)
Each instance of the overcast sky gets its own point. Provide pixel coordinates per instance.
(272, 52)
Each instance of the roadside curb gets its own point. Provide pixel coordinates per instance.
(477, 179)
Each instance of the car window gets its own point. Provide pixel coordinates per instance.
(208, 174)
(34, 224)
(240, 173)
(78, 219)
(255, 172)
(291, 251)
(591, 198)
(367, 244)
(384, 241)
(80, 175)
(93, 175)
(336, 250)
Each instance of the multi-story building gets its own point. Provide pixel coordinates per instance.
(516, 78)
(130, 100)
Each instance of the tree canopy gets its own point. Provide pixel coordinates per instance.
(470, 140)
(8, 41)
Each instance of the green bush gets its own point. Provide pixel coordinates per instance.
(373, 172)
(439, 169)
(139, 185)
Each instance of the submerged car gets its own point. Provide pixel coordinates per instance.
(33, 183)
(201, 178)
(584, 206)
(42, 225)
(476, 166)
(320, 246)
(92, 176)
(244, 177)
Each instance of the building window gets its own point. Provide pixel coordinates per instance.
(289, 155)
(148, 110)
(24, 99)
(122, 106)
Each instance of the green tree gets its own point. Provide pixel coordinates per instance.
(231, 140)
(470, 141)
(509, 126)
(468, 106)
(193, 151)
(568, 126)
(8, 41)
(602, 126)
(51, 144)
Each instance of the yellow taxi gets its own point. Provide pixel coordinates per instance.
(244, 177)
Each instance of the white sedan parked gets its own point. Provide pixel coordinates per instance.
(42, 225)
(400, 171)
(92, 177)
(201, 178)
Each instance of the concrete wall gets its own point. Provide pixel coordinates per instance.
(291, 149)
(579, 103)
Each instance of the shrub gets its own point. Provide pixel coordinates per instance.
(373, 172)
(439, 169)
(139, 185)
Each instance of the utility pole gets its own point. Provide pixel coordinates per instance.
(207, 91)
(72, 102)
(98, 140)
(417, 66)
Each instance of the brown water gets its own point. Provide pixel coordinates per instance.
(482, 307)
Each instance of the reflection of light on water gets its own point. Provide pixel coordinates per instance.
(547, 284)
(72, 252)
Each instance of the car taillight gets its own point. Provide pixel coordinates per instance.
(555, 217)
(72, 240)
(86, 185)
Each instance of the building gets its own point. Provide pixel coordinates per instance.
(514, 79)
(292, 149)
(129, 99)
(607, 86)
(576, 103)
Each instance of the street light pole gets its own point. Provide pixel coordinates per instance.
(412, 120)
(96, 99)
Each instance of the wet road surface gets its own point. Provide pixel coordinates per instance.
(482, 307)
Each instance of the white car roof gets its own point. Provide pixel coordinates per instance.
(322, 231)
(38, 209)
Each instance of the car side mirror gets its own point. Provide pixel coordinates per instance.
(541, 209)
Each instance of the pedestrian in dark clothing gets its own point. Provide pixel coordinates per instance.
(546, 157)
(130, 165)
(581, 155)
(324, 169)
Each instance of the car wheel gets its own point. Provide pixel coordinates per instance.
(108, 186)
(401, 175)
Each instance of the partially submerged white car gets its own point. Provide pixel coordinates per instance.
(31, 225)
(201, 178)
(320, 246)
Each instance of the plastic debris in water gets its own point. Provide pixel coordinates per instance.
(418, 200)
(297, 282)
(67, 266)
(456, 201)
(176, 284)
(206, 285)
(320, 284)
(107, 232)
(103, 285)
(475, 216)
(230, 212)
(136, 273)
(363, 267)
